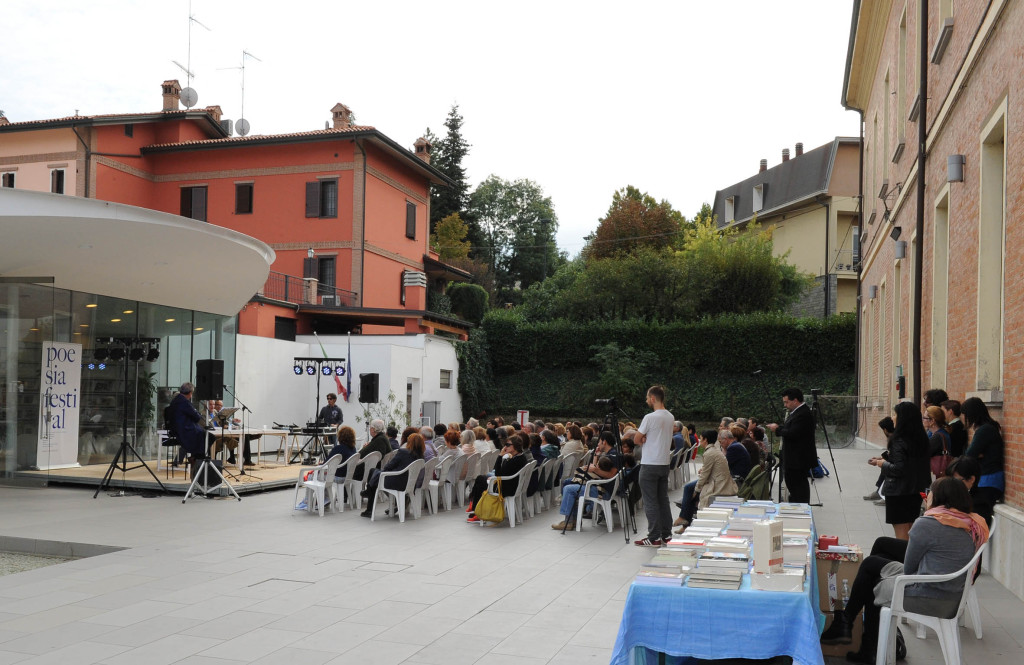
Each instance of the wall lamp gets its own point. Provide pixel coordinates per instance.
(873, 291)
(901, 249)
(895, 233)
(955, 168)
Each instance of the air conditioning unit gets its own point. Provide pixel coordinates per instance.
(329, 300)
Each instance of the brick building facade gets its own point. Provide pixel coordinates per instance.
(971, 325)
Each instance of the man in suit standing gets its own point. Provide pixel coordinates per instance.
(799, 454)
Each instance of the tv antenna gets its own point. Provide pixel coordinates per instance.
(242, 126)
(189, 97)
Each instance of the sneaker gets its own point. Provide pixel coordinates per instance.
(874, 496)
(469, 508)
(880, 502)
(473, 519)
(647, 542)
(302, 506)
(563, 525)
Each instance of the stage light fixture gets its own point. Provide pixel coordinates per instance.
(311, 369)
(135, 355)
(101, 353)
(297, 369)
(91, 366)
(340, 370)
(153, 354)
(117, 353)
(326, 370)
(102, 366)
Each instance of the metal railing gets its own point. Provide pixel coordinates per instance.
(846, 260)
(298, 291)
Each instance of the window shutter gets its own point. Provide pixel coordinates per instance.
(243, 198)
(410, 219)
(199, 203)
(312, 199)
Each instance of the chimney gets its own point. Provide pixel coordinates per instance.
(422, 148)
(785, 154)
(764, 166)
(215, 111)
(342, 116)
(172, 94)
(799, 149)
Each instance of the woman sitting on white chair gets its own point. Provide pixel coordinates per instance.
(941, 542)
(406, 455)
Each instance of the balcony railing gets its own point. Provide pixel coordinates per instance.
(846, 260)
(298, 291)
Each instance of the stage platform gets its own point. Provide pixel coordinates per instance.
(265, 476)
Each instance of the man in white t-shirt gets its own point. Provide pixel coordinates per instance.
(655, 435)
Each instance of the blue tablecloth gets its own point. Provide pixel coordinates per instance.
(718, 623)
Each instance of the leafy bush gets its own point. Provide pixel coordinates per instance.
(468, 301)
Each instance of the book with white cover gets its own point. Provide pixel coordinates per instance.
(768, 546)
(785, 580)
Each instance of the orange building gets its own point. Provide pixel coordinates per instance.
(345, 208)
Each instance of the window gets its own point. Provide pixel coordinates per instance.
(730, 209)
(401, 286)
(410, 220)
(325, 273)
(322, 198)
(129, 130)
(758, 197)
(855, 234)
(991, 250)
(243, 198)
(940, 289)
(57, 181)
(284, 328)
(901, 80)
(446, 378)
(193, 202)
(7, 180)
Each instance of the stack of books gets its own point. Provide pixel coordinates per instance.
(709, 523)
(667, 557)
(752, 510)
(729, 543)
(702, 531)
(660, 575)
(727, 502)
(702, 579)
(794, 550)
(742, 526)
(714, 513)
(690, 544)
(718, 561)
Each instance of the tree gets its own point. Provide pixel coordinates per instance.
(447, 157)
(635, 219)
(518, 224)
(449, 238)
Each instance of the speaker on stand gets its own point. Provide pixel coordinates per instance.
(368, 384)
(209, 379)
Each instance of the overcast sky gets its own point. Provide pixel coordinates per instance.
(678, 98)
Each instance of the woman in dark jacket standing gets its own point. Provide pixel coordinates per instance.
(986, 447)
(906, 469)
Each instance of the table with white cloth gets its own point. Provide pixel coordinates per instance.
(256, 433)
(719, 623)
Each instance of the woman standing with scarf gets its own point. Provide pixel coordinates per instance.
(941, 542)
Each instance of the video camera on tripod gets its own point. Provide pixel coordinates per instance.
(611, 403)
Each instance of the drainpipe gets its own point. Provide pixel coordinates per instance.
(362, 249)
(88, 158)
(858, 262)
(828, 269)
(922, 137)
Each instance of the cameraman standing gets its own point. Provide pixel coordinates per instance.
(655, 435)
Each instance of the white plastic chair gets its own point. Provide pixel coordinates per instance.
(465, 482)
(319, 486)
(568, 468)
(539, 498)
(355, 487)
(948, 630)
(398, 496)
(675, 474)
(514, 503)
(387, 458)
(600, 503)
(423, 486)
(433, 486)
(347, 470)
(971, 610)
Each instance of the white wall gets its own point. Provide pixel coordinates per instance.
(266, 383)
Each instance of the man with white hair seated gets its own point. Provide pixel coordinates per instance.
(378, 443)
(429, 442)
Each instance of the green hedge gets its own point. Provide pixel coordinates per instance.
(705, 366)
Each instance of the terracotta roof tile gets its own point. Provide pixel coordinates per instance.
(259, 137)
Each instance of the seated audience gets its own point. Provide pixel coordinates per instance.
(393, 437)
(346, 445)
(713, 479)
(550, 446)
(735, 454)
(574, 442)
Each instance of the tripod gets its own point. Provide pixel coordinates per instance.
(202, 483)
(244, 441)
(820, 419)
(122, 451)
(771, 435)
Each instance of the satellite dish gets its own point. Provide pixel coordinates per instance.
(242, 127)
(189, 97)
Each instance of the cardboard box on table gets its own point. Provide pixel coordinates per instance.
(844, 565)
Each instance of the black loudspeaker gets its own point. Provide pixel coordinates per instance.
(208, 478)
(368, 388)
(209, 379)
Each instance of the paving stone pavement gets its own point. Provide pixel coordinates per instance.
(220, 582)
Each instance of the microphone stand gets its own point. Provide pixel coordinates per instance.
(243, 442)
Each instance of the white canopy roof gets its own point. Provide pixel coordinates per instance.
(127, 252)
